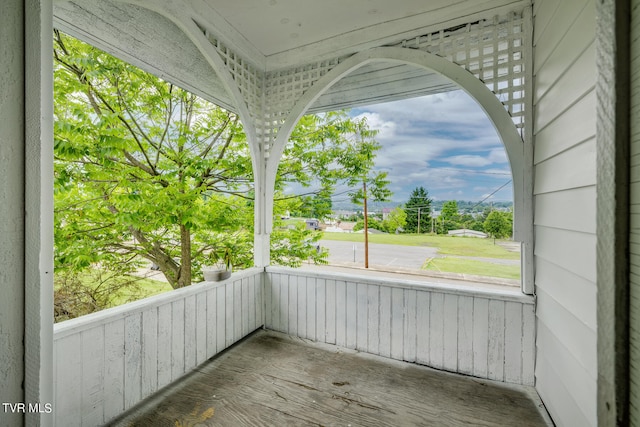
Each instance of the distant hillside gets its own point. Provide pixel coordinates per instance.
(436, 205)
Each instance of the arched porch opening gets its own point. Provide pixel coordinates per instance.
(493, 108)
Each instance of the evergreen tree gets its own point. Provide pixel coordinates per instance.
(418, 205)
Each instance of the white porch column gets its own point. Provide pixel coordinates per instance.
(263, 209)
(26, 234)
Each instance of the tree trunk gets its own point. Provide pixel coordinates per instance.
(184, 276)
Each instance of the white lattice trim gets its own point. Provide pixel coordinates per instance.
(492, 50)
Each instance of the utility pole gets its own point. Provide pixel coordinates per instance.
(419, 220)
(366, 225)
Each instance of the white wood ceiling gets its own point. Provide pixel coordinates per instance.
(273, 35)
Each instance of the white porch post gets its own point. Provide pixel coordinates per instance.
(11, 218)
(26, 234)
(263, 212)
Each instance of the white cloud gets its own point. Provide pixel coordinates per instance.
(420, 136)
(470, 160)
(498, 155)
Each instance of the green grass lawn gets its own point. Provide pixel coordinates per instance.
(447, 245)
(477, 268)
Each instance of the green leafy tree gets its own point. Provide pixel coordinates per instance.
(450, 211)
(147, 171)
(498, 224)
(418, 206)
(396, 220)
(316, 206)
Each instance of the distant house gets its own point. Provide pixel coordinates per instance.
(466, 233)
(313, 224)
(385, 213)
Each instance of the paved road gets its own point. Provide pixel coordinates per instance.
(381, 255)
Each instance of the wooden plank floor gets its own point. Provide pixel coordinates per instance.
(270, 379)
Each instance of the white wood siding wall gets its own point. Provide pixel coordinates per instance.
(565, 208)
(469, 331)
(634, 314)
(107, 362)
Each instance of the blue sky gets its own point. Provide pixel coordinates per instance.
(442, 142)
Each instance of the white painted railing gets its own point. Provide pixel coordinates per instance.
(106, 362)
(483, 333)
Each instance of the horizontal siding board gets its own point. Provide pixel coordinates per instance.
(576, 294)
(573, 209)
(574, 251)
(557, 398)
(557, 394)
(562, 133)
(543, 12)
(567, 50)
(575, 378)
(557, 20)
(576, 337)
(576, 83)
(570, 169)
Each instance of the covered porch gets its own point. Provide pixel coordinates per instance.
(566, 335)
